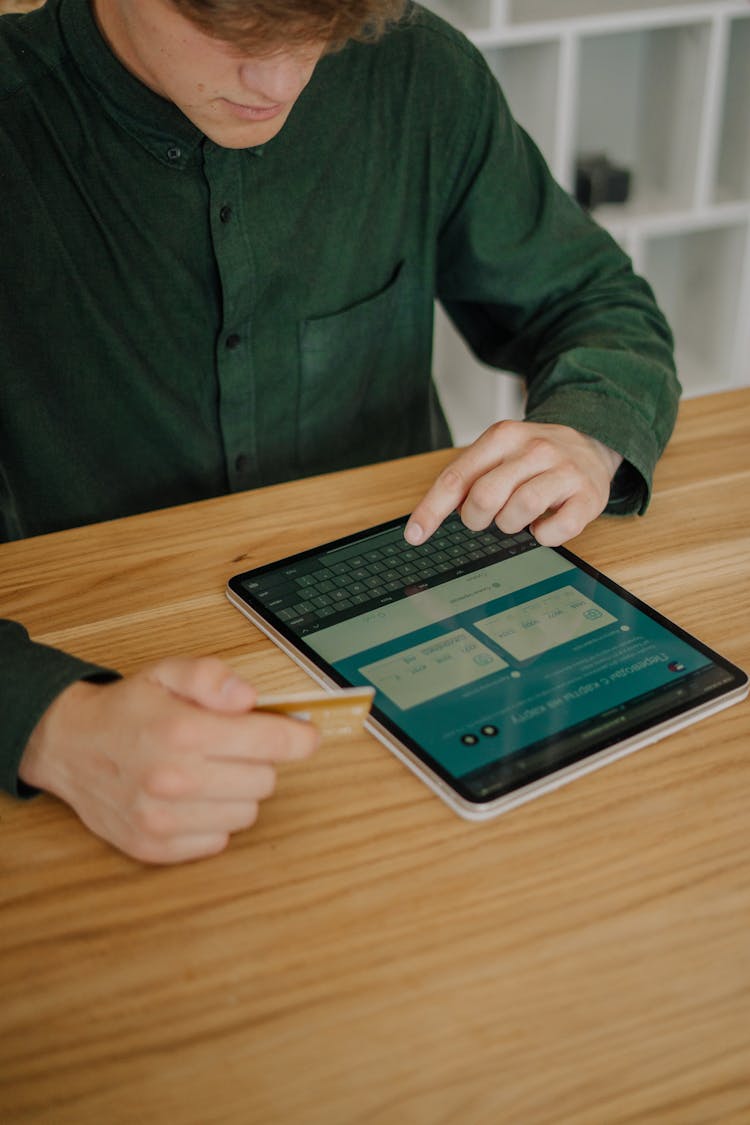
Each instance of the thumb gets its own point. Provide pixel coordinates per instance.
(206, 681)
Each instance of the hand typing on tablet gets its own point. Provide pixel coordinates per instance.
(167, 763)
(550, 478)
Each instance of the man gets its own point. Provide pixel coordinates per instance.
(224, 224)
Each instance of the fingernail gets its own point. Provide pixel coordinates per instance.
(413, 534)
(233, 684)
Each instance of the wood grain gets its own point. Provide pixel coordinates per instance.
(362, 955)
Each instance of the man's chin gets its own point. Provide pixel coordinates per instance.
(241, 134)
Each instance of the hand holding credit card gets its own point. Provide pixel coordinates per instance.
(338, 714)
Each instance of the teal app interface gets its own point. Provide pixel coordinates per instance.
(481, 666)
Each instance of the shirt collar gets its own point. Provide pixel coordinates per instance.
(153, 121)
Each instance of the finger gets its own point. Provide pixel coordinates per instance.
(162, 821)
(180, 849)
(439, 501)
(206, 681)
(452, 486)
(259, 737)
(192, 734)
(530, 500)
(567, 521)
(197, 778)
(490, 494)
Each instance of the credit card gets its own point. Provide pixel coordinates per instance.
(337, 714)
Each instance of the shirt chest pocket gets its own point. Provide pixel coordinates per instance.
(361, 379)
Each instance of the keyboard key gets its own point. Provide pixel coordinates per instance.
(306, 580)
(322, 601)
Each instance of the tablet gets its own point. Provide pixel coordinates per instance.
(501, 668)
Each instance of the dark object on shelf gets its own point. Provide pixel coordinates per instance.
(599, 181)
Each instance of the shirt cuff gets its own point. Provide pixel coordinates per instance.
(31, 677)
(616, 423)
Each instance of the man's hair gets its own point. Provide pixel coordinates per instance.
(267, 25)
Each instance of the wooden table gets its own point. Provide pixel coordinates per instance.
(362, 954)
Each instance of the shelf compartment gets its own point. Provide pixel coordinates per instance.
(469, 15)
(733, 177)
(639, 101)
(535, 11)
(529, 75)
(697, 279)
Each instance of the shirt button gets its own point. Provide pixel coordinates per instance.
(233, 341)
(241, 462)
(225, 213)
(174, 153)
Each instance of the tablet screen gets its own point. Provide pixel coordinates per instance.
(494, 659)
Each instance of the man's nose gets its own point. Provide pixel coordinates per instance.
(276, 80)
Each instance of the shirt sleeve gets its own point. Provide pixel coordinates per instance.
(536, 287)
(31, 677)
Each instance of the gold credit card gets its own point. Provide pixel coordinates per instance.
(336, 714)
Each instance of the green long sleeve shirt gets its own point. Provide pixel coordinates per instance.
(179, 320)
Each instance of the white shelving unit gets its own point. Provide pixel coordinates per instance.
(664, 90)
